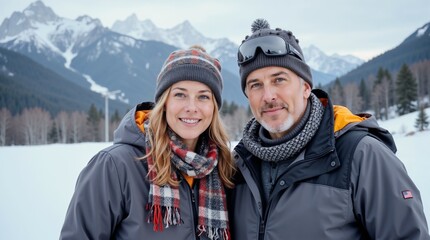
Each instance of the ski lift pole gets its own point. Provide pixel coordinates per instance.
(107, 95)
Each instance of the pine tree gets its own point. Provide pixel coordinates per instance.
(380, 76)
(406, 89)
(53, 134)
(387, 86)
(422, 122)
(336, 93)
(233, 108)
(115, 117)
(364, 94)
(382, 97)
(391, 87)
(93, 122)
(225, 108)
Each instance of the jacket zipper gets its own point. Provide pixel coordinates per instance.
(262, 230)
(263, 221)
(193, 203)
(262, 224)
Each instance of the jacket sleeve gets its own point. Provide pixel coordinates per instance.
(95, 208)
(379, 180)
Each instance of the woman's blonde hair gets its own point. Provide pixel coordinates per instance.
(161, 152)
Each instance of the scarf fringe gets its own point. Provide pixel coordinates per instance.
(162, 215)
(214, 233)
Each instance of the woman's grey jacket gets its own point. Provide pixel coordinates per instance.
(112, 191)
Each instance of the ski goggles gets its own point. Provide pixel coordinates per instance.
(270, 45)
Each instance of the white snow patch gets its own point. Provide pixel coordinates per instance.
(94, 86)
(37, 182)
(69, 55)
(422, 30)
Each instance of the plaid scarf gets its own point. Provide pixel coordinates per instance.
(163, 203)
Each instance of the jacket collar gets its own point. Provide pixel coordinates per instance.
(130, 130)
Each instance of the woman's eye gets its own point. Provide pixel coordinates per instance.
(254, 85)
(204, 97)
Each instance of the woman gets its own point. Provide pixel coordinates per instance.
(166, 173)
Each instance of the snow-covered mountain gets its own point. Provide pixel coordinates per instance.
(181, 36)
(131, 54)
(50, 39)
(325, 68)
(421, 33)
(335, 64)
(90, 55)
(415, 48)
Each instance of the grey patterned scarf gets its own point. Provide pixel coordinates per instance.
(289, 148)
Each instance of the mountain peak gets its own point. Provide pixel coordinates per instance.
(89, 20)
(186, 29)
(37, 4)
(132, 18)
(312, 47)
(18, 22)
(421, 32)
(312, 50)
(425, 30)
(149, 24)
(37, 11)
(133, 26)
(335, 64)
(184, 25)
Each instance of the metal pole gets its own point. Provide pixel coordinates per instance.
(108, 94)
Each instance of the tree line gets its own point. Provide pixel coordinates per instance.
(385, 95)
(36, 126)
(388, 94)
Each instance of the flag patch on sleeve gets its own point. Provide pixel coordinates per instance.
(407, 194)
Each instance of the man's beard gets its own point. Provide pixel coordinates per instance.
(286, 125)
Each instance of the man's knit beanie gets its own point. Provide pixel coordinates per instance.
(192, 64)
(261, 28)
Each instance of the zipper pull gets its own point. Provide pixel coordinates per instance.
(193, 198)
(273, 175)
(261, 227)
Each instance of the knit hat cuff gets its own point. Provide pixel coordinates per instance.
(191, 72)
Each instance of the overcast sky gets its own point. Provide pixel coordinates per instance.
(364, 28)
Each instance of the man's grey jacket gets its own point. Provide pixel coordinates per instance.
(320, 196)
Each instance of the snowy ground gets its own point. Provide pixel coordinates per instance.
(37, 182)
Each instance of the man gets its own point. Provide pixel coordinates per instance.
(306, 169)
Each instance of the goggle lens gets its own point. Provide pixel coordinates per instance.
(270, 45)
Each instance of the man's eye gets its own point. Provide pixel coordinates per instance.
(180, 95)
(278, 80)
